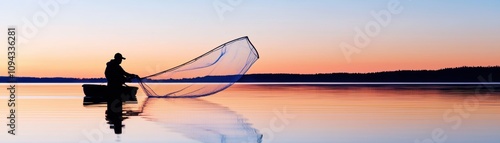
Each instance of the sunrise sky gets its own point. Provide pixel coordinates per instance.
(77, 38)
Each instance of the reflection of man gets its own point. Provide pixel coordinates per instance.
(116, 77)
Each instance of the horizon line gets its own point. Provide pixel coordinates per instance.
(287, 83)
(495, 66)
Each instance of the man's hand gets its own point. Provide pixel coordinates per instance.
(129, 77)
(135, 76)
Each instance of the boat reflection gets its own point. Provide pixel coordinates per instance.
(196, 119)
(115, 121)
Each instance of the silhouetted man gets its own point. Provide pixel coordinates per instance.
(115, 74)
(116, 77)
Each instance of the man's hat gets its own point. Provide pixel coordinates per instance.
(119, 56)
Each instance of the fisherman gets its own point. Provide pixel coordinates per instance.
(116, 77)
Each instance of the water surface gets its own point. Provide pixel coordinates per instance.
(268, 113)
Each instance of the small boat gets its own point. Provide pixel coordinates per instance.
(96, 94)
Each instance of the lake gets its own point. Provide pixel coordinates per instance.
(268, 113)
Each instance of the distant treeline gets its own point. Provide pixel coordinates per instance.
(459, 74)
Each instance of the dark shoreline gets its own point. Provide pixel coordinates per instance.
(460, 74)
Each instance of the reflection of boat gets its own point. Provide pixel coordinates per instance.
(96, 94)
(201, 120)
(115, 121)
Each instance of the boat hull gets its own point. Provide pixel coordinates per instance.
(97, 94)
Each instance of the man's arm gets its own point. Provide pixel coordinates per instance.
(123, 72)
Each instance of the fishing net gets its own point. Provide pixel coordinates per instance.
(207, 74)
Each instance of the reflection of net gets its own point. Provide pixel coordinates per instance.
(226, 64)
(201, 120)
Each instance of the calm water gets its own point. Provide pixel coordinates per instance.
(267, 113)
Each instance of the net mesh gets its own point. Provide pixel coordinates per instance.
(207, 74)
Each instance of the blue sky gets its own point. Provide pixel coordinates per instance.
(428, 34)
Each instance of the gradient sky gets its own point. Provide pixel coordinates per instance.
(292, 36)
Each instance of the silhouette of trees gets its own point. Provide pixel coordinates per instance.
(456, 74)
